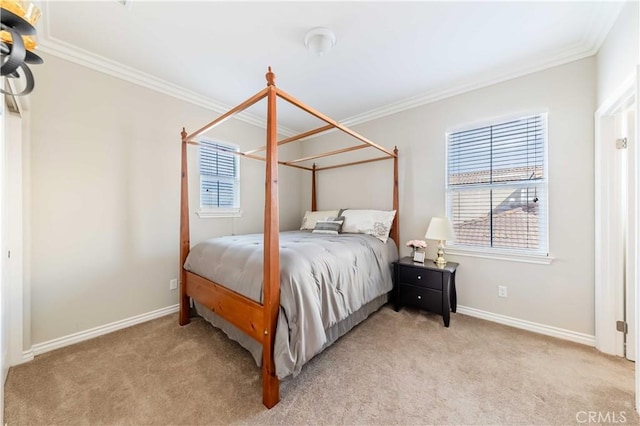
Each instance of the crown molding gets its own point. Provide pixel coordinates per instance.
(574, 53)
(601, 25)
(61, 49)
(90, 60)
(593, 38)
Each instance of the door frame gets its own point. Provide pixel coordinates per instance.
(636, 248)
(16, 312)
(609, 299)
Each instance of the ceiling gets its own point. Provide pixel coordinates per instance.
(389, 55)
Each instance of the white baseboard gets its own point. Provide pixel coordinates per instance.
(26, 356)
(547, 330)
(60, 342)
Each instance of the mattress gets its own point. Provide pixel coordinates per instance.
(324, 279)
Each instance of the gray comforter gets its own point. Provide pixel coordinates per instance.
(323, 279)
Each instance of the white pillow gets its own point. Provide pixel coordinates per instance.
(373, 222)
(310, 218)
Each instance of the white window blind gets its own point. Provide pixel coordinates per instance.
(219, 176)
(497, 186)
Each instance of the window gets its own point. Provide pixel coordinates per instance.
(219, 178)
(497, 186)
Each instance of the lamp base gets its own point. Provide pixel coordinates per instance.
(440, 260)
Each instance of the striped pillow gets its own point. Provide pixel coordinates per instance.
(310, 218)
(331, 226)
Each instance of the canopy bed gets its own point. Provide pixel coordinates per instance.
(257, 313)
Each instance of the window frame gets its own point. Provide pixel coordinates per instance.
(213, 211)
(542, 256)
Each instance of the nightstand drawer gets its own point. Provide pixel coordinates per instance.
(419, 297)
(421, 277)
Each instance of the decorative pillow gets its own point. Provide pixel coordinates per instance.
(330, 226)
(373, 222)
(310, 218)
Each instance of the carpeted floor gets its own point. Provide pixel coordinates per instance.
(402, 368)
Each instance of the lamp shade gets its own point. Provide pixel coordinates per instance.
(440, 229)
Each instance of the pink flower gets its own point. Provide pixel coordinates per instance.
(417, 244)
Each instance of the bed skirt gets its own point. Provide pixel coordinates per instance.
(284, 367)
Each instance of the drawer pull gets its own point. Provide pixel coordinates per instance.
(419, 277)
(419, 297)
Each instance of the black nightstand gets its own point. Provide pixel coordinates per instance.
(425, 286)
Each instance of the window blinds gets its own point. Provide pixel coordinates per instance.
(219, 176)
(497, 185)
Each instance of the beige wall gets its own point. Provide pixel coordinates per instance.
(560, 294)
(620, 53)
(103, 194)
(104, 197)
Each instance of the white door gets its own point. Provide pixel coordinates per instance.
(630, 220)
(624, 177)
(617, 224)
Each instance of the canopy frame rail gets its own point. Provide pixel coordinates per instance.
(253, 157)
(284, 95)
(291, 163)
(295, 138)
(227, 115)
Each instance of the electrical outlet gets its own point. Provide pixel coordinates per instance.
(502, 291)
(173, 284)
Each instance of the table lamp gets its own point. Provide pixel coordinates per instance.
(440, 229)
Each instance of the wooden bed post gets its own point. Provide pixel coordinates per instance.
(271, 298)
(314, 205)
(396, 204)
(184, 233)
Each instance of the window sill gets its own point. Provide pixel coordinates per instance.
(208, 214)
(498, 255)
